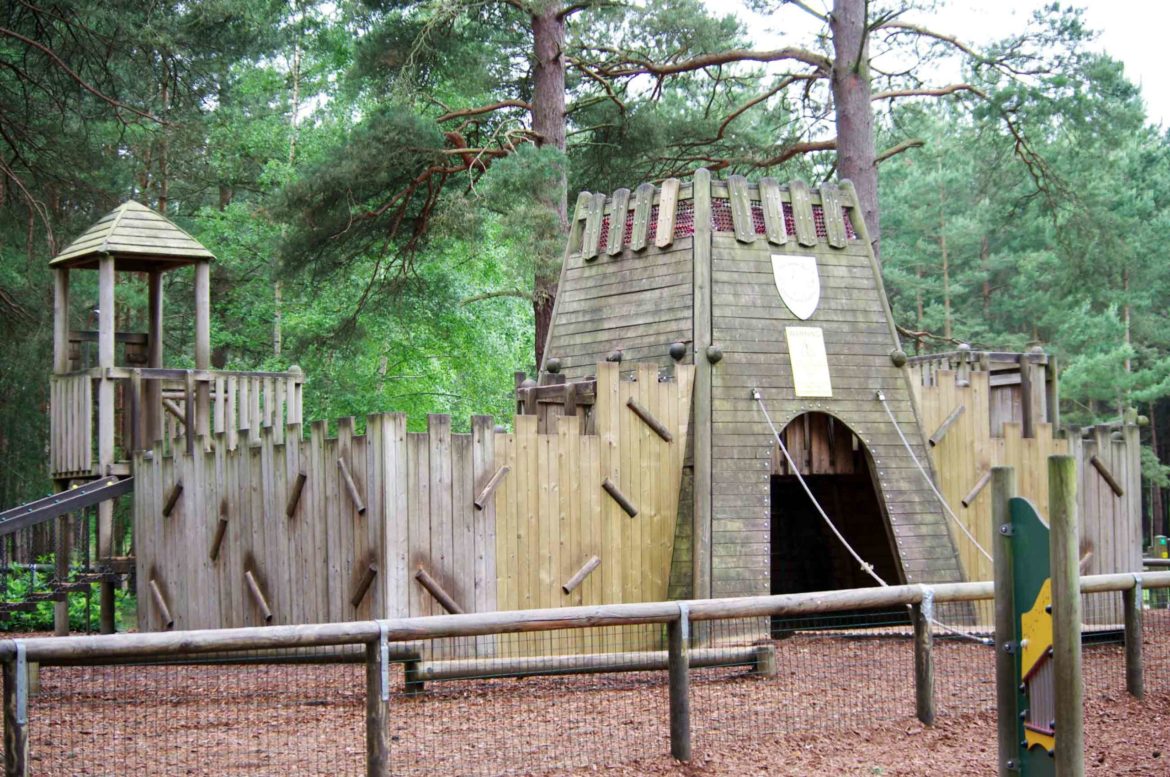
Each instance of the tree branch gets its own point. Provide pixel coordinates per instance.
(60, 63)
(482, 109)
(905, 145)
(517, 293)
(941, 91)
(632, 65)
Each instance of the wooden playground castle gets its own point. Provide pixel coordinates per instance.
(640, 464)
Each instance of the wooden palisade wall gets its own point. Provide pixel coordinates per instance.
(413, 507)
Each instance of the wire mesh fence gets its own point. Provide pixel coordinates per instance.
(199, 719)
(561, 701)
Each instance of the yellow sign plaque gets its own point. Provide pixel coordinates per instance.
(810, 363)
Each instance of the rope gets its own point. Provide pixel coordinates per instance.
(929, 481)
(865, 566)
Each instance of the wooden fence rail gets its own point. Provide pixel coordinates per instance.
(18, 654)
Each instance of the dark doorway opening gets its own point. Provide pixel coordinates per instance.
(806, 556)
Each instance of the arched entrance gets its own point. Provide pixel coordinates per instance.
(838, 470)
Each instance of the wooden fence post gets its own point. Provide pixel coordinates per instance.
(16, 714)
(922, 615)
(1066, 616)
(1003, 488)
(377, 702)
(1134, 670)
(678, 668)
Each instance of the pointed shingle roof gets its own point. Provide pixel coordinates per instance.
(137, 237)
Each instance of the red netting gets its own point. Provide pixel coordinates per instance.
(758, 219)
(721, 220)
(684, 219)
(789, 219)
(628, 232)
(604, 241)
(652, 228)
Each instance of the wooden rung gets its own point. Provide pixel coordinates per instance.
(649, 419)
(434, 589)
(1106, 475)
(980, 484)
(363, 586)
(619, 497)
(258, 595)
(945, 426)
(172, 499)
(579, 576)
(294, 496)
(351, 487)
(160, 602)
(493, 482)
(217, 541)
(173, 408)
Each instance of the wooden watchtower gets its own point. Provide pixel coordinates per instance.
(130, 401)
(131, 238)
(774, 288)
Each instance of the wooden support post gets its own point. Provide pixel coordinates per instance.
(434, 589)
(16, 716)
(980, 484)
(1107, 476)
(61, 570)
(493, 482)
(60, 321)
(921, 615)
(217, 540)
(579, 576)
(172, 499)
(765, 664)
(1066, 616)
(363, 585)
(678, 669)
(648, 418)
(1003, 488)
(1134, 670)
(258, 596)
(623, 502)
(160, 602)
(189, 412)
(152, 397)
(105, 533)
(946, 425)
(701, 403)
(294, 497)
(202, 346)
(351, 487)
(377, 703)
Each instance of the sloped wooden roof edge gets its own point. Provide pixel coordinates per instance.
(135, 232)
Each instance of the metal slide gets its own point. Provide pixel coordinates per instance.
(63, 502)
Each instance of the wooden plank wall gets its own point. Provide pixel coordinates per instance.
(547, 517)
(614, 296)
(1110, 523)
(748, 323)
(71, 425)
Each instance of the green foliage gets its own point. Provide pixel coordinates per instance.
(83, 608)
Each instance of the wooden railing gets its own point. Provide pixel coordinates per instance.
(162, 409)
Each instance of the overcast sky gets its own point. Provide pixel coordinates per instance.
(1133, 31)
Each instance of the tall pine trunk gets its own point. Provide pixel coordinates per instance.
(854, 114)
(548, 122)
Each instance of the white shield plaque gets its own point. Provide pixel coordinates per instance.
(798, 282)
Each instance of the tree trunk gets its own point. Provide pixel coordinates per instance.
(851, 100)
(548, 122)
